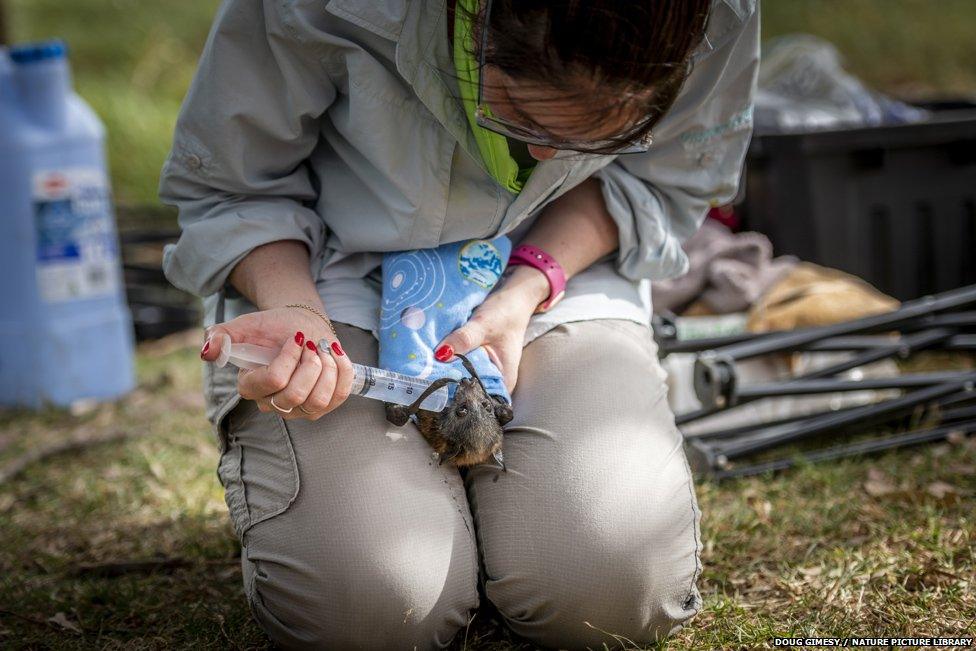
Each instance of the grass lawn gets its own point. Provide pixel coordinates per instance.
(880, 546)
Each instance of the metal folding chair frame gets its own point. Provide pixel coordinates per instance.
(921, 324)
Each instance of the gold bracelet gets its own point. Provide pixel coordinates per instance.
(318, 314)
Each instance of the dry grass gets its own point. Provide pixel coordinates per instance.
(876, 546)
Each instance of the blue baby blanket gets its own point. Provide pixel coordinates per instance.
(430, 293)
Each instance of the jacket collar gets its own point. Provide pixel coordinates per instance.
(423, 58)
(725, 19)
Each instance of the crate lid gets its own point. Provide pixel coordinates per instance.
(943, 127)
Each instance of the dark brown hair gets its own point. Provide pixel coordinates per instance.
(623, 55)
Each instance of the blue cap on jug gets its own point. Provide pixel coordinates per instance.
(41, 51)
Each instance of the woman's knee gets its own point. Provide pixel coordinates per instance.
(581, 596)
(594, 555)
(303, 598)
(594, 531)
(368, 544)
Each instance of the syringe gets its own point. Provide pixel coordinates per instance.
(369, 382)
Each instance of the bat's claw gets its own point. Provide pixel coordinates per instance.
(469, 367)
(500, 460)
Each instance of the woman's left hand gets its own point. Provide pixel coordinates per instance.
(499, 323)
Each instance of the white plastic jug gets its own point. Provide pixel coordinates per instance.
(65, 329)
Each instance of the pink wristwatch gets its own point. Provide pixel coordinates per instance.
(536, 257)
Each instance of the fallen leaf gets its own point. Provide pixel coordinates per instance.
(157, 469)
(229, 573)
(941, 490)
(82, 407)
(61, 620)
(762, 509)
(879, 487)
(956, 437)
(876, 474)
(961, 469)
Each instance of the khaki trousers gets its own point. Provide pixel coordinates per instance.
(354, 538)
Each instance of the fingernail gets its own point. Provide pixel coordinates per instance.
(206, 347)
(444, 353)
(311, 346)
(337, 349)
(299, 338)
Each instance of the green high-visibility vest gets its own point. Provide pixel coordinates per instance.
(493, 146)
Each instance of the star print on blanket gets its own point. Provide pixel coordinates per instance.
(430, 293)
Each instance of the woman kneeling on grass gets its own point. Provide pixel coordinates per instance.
(318, 135)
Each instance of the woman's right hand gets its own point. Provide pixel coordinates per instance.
(303, 379)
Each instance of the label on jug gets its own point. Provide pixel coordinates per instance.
(77, 248)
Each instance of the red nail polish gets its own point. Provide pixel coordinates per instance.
(299, 338)
(311, 346)
(336, 348)
(444, 353)
(206, 347)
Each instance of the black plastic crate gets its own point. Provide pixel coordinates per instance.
(894, 205)
(158, 308)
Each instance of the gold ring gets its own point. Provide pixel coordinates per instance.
(284, 411)
(302, 407)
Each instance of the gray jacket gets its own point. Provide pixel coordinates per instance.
(336, 123)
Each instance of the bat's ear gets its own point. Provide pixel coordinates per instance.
(503, 411)
(397, 414)
(500, 460)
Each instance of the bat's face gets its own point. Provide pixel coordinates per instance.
(468, 430)
(469, 408)
(471, 425)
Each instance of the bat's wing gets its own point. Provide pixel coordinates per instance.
(437, 384)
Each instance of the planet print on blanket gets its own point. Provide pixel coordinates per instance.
(481, 263)
(429, 293)
(413, 318)
(411, 279)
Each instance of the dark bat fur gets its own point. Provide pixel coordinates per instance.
(469, 429)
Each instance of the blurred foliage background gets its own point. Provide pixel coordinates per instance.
(133, 59)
